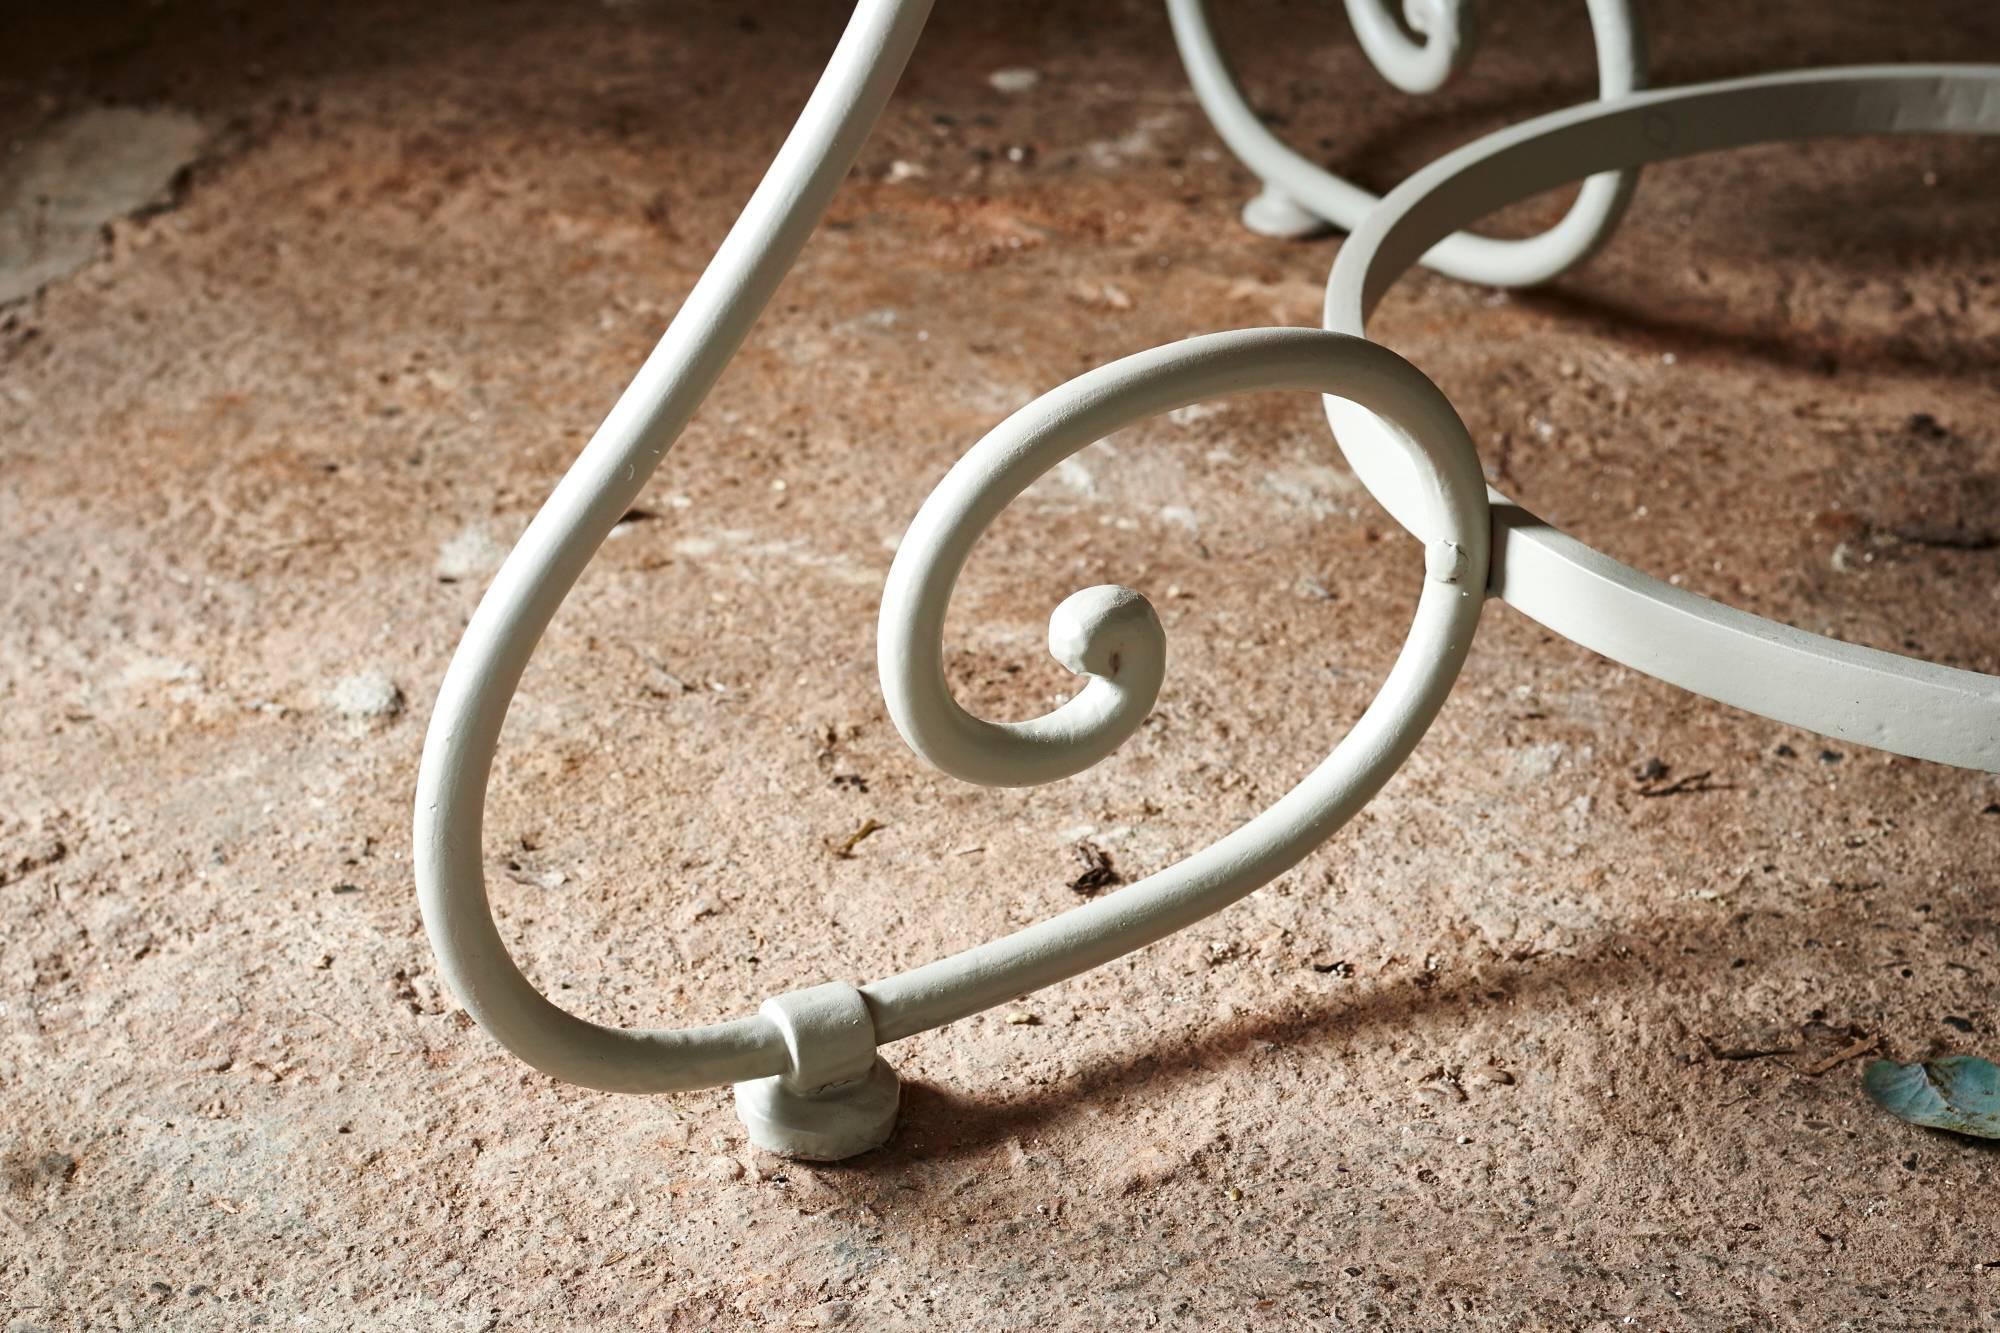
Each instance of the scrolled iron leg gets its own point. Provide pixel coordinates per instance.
(1295, 188)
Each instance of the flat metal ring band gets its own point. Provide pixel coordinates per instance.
(1864, 695)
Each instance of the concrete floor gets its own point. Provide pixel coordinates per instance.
(1522, 1048)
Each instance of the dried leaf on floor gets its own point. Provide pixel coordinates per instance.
(1960, 1093)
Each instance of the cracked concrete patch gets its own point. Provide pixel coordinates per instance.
(59, 190)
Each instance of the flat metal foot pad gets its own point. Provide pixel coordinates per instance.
(825, 1126)
(1276, 214)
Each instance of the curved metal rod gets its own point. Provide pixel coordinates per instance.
(1875, 698)
(1303, 184)
(541, 569)
(1434, 447)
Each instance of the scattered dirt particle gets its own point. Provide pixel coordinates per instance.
(1718, 1052)
(470, 554)
(366, 695)
(1015, 79)
(1098, 872)
(1927, 427)
(845, 848)
(42, 851)
(28, 1173)
(1685, 786)
(1146, 1169)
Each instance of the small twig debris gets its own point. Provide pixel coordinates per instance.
(1744, 1052)
(869, 827)
(1693, 782)
(1841, 1057)
(1098, 873)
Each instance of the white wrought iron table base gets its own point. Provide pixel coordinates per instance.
(809, 1080)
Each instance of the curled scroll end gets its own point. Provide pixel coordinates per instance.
(1414, 66)
(1113, 633)
(1435, 19)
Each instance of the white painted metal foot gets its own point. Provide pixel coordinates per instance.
(1272, 212)
(838, 1098)
(823, 1126)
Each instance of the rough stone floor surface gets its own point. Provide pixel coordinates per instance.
(312, 305)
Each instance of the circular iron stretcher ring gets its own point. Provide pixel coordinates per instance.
(1864, 695)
